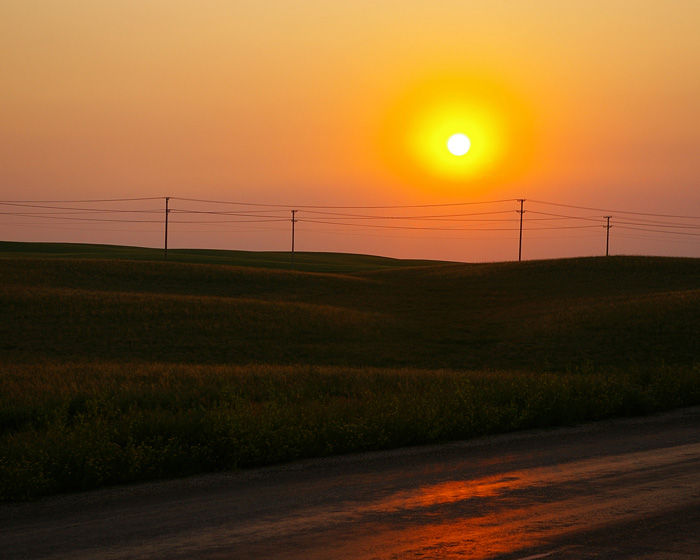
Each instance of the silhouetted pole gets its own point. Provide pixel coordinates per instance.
(167, 211)
(607, 236)
(520, 244)
(294, 221)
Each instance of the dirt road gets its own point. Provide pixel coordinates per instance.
(617, 489)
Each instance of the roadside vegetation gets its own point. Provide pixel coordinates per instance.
(118, 370)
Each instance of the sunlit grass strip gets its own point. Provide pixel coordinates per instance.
(67, 427)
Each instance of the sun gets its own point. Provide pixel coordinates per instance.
(458, 144)
(457, 133)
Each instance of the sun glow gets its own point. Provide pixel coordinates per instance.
(457, 133)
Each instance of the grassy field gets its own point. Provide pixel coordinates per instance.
(309, 262)
(117, 367)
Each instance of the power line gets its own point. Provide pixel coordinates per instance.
(659, 231)
(659, 238)
(287, 206)
(228, 221)
(352, 217)
(220, 213)
(385, 226)
(565, 217)
(39, 203)
(607, 210)
(410, 217)
(78, 210)
(73, 218)
(81, 201)
(661, 224)
(76, 228)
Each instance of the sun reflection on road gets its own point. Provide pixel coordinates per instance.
(517, 510)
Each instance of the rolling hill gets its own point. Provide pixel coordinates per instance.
(604, 312)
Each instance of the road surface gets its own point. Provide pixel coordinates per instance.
(616, 489)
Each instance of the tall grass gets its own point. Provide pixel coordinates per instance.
(67, 427)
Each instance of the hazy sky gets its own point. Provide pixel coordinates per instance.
(306, 103)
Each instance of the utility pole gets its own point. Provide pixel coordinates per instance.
(520, 244)
(167, 211)
(294, 221)
(607, 236)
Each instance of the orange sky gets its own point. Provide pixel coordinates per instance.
(307, 103)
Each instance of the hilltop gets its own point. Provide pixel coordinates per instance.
(303, 261)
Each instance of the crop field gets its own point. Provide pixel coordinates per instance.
(118, 367)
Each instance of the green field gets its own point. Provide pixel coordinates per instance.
(118, 367)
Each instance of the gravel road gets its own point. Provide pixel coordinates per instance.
(616, 489)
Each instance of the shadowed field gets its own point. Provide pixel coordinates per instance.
(126, 368)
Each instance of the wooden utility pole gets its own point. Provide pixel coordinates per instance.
(607, 236)
(520, 244)
(294, 221)
(167, 211)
